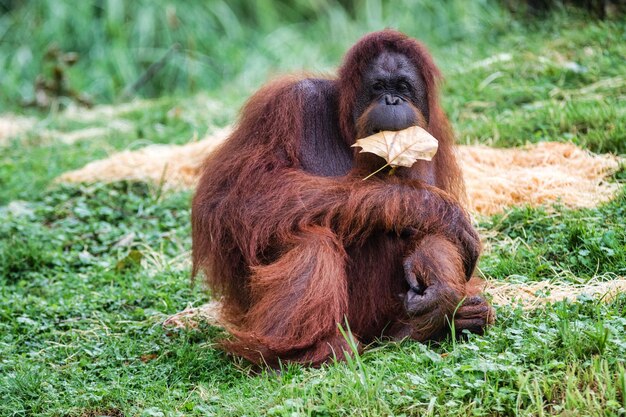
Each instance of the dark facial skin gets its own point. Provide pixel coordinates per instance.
(393, 96)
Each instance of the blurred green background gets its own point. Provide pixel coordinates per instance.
(215, 45)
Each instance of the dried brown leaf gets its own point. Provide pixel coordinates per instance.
(402, 147)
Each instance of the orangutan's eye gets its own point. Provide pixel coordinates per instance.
(404, 87)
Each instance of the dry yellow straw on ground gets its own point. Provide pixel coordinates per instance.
(536, 175)
(12, 126)
(496, 178)
(175, 165)
(535, 295)
(528, 296)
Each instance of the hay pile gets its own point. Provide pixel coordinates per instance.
(173, 165)
(496, 178)
(536, 175)
(535, 295)
(528, 296)
(12, 126)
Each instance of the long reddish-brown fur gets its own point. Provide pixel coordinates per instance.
(293, 254)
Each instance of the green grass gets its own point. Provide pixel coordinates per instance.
(88, 273)
(81, 333)
(574, 246)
